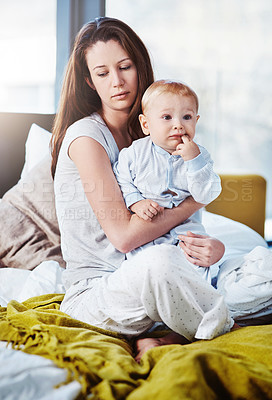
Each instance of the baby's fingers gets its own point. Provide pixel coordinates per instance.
(151, 211)
(145, 215)
(155, 208)
(185, 139)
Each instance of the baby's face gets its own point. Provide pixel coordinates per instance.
(169, 117)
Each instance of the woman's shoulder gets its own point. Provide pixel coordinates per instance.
(87, 124)
(95, 128)
(92, 126)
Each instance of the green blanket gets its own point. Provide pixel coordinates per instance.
(237, 365)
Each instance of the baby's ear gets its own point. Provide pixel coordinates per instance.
(144, 124)
(197, 117)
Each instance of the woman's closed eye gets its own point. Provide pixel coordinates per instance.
(125, 67)
(102, 73)
(121, 68)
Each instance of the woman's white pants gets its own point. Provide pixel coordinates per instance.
(157, 284)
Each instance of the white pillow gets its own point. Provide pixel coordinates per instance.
(36, 147)
(238, 238)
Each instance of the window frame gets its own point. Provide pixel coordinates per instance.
(71, 16)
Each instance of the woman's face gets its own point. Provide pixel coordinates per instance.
(113, 74)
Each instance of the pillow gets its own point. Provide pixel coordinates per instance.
(36, 147)
(29, 232)
(238, 238)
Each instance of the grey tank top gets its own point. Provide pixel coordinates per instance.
(86, 249)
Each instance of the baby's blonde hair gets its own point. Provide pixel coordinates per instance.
(166, 86)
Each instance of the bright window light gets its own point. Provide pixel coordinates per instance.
(28, 55)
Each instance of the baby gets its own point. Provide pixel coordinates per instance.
(167, 166)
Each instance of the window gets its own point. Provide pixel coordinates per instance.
(222, 49)
(28, 56)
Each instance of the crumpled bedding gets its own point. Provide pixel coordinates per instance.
(237, 365)
(246, 284)
(21, 284)
(30, 377)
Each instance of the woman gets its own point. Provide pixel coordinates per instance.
(108, 71)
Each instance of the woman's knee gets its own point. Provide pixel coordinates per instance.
(163, 261)
(164, 253)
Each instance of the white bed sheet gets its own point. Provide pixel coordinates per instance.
(30, 377)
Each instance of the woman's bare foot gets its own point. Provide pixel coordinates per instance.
(144, 344)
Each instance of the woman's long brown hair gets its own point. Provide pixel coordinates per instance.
(77, 99)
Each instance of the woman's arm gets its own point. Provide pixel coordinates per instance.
(125, 231)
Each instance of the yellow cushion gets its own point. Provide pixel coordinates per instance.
(242, 199)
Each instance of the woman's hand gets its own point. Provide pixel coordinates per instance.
(200, 249)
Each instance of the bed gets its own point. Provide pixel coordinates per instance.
(45, 354)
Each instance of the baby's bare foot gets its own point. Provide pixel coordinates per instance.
(144, 344)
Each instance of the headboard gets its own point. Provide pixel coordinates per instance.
(243, 199)
(14, 128)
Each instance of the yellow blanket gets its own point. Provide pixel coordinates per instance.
(237, 365)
